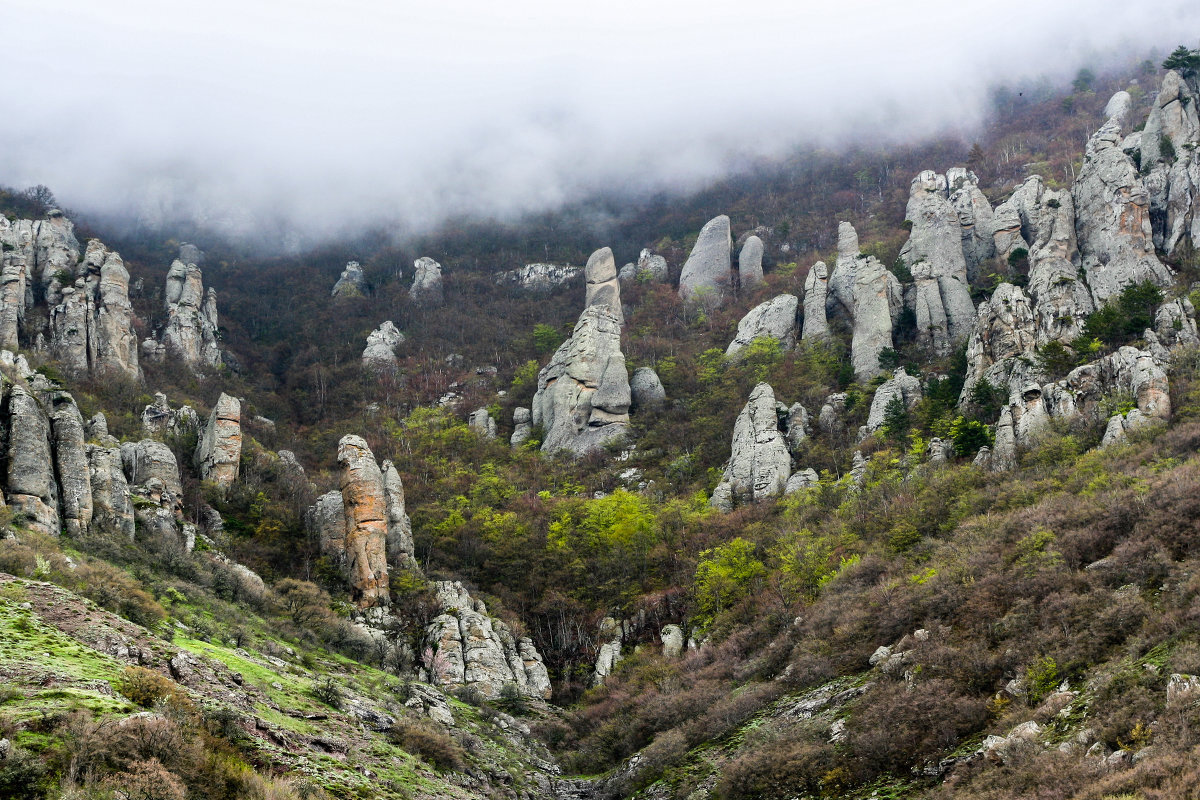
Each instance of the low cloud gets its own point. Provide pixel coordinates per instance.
(322, 118)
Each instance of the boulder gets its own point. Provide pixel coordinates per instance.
(482, 423)
(901, 385)
(816, 292)
(522, 426)
(366, 522)
(1112, 217)
(610, 638)
(583, 397)
(803, 479)
(380, 352)
(219, 451)
(750, 268)
(673, 641)
(602, 286)
(646, 390)
(759, 463)
(325, 521)
(426, 288)
(351, 283)
(652, 267)
(706, 273)
(799, 427)
(152, 464)
(774, 319)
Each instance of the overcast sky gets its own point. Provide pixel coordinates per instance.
(328, 114)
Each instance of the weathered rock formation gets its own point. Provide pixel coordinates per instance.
(538, 278)
(522, 426)
(974, 218)
(70, 462)
(652, 267)
(326, 522)
(934, 255)
(351, 283)
(774, 319)
(902, 386)
(759, 464)
(471, 648)
(91, 325)
(1112, 213)
(112, 503)
(1002, 342)
(816, 294)
(159, 419)
(646, 389)
(1168, 152)
(706, 274)
(602, 286)
(380, 352)
(426, 288)
(482, 423)
(30, 486)
(219, 451)
(400, 550)
(36, 258)
(366, 523)
(870, 296)
(190, 332)
(610, 637)
(803, 479)
(672, 641)
(582, 400)
(750, 268)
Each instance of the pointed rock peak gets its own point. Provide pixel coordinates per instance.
(707, 269)
(601, 266)
(928, 181)
(602, 287)
(1119, 106)
(847, 242)
(750, 269)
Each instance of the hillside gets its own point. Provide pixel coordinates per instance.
(863, 474)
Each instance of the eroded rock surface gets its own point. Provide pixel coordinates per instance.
(706, 274)
(426, 288)
(774, 319)
(602, 286)
(750, 268)
(759, 464)
(366, 522)
(380, 352)
(219, 451)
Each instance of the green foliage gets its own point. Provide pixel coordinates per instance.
(895, 420)
(328, 691)
(1124, 319)
(901, 271)
(889, 359)
(969, 435)
(1083, 80)
(724, 575)
(986, 400)
(146, 687)
(1183, 60)
(807, 561)
(547, 338)
(1041, 678)
(761, 356)
(1166, 148)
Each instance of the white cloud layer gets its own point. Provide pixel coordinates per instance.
(325, 116)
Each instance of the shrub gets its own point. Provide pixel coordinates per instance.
(425, 739)
(782, 769)
(328, 692)
(146, 687)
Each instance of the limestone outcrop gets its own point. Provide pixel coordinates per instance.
(583, 397)
(934, 255)
(70, 462)
(91, 325)
(190, 332)
(1112, 214)
(646, 389)
(610, 637)
(400, 550)
(36, 258)
(900, 386)
(774, 319)
(351, 283)
(380, 352)
(219, 451)
(482, 423)
(1002, 342)
(325, 521)
(426, 288)
(816, 294)
(870, 296)
(538, 278)
(471, 648)
(366, 522)
(706, 274)
(1168, 152)
(30, 485)
(750, 268)
(759, 463)
(112, 503)
(602, 286)
(159, 419)
(974, 218)
(151, 466)
(522, 426)
(653, 267)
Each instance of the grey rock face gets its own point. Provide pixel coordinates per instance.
(70, 462)
(159, 418)
(1174, 176)
(112, 504)
(190, 332)
(400, 550)
(351, 283)
(934, 254)
(1175, 324)
(482, 423)
(538, 278)
(706, 273)
(219, 451)
(870, 296)
(326, 521)
(366, 522)
(750, 268)
(583, 397)
(804, 479)
(646, 389)
(902, 386)
(31, 487)
(799, 427)
(816, 291)
(475, 649)
(1004, 332)
(611, 637)
(672, 641)
(974, 218)
(380, 353)
(152, 464)
(522, 426)
(774, 319)
(759, 464)
(426, 288)
(652, 266)
(36, 258)
(1112, 218)
(603, 288)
